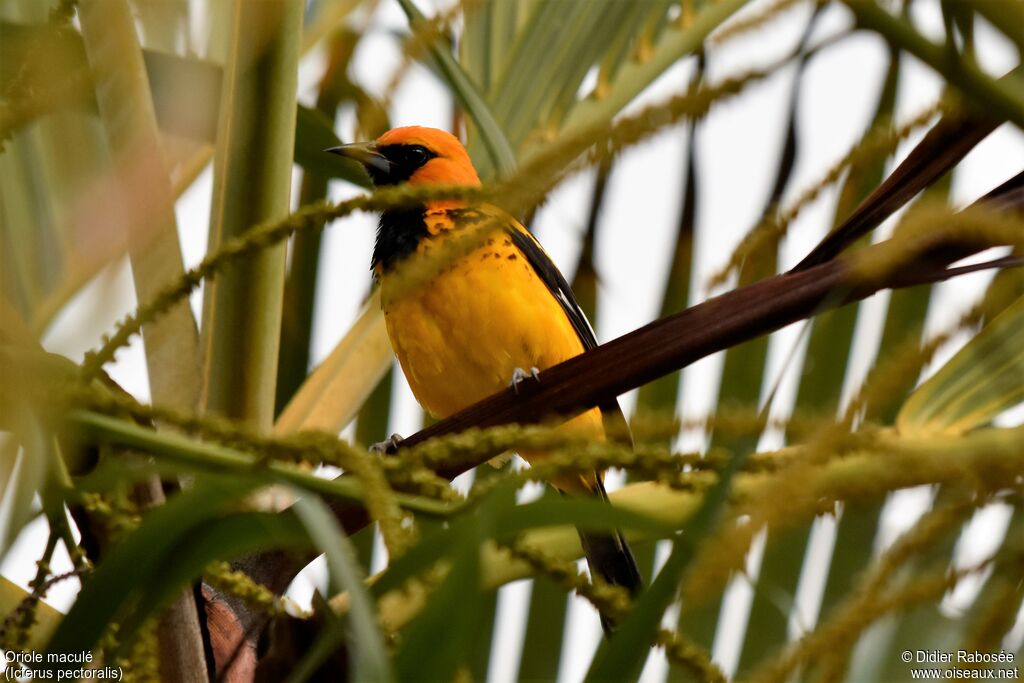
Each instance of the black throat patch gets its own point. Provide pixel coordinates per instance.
(398, 234)
(399, 231)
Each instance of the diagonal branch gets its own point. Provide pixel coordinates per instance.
(676, 341)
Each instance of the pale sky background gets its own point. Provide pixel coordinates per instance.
(737, 149)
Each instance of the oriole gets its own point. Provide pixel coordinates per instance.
(502, 310)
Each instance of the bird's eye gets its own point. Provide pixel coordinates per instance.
(417, 155)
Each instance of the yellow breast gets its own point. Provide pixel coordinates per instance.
(460, 337)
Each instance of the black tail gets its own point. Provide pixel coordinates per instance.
(609, 556)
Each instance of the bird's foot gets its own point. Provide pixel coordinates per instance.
(387, 447)
(519, 376)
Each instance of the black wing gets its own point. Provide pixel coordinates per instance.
(559, 288)
(556, 284)
(607, 553)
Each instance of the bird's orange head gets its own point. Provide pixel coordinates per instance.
(415, 155)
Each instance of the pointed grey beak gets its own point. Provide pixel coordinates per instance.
(365, 153)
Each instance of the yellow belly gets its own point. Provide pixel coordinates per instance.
(460, 338)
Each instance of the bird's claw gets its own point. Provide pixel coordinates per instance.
(519, 376)
(387, 447)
